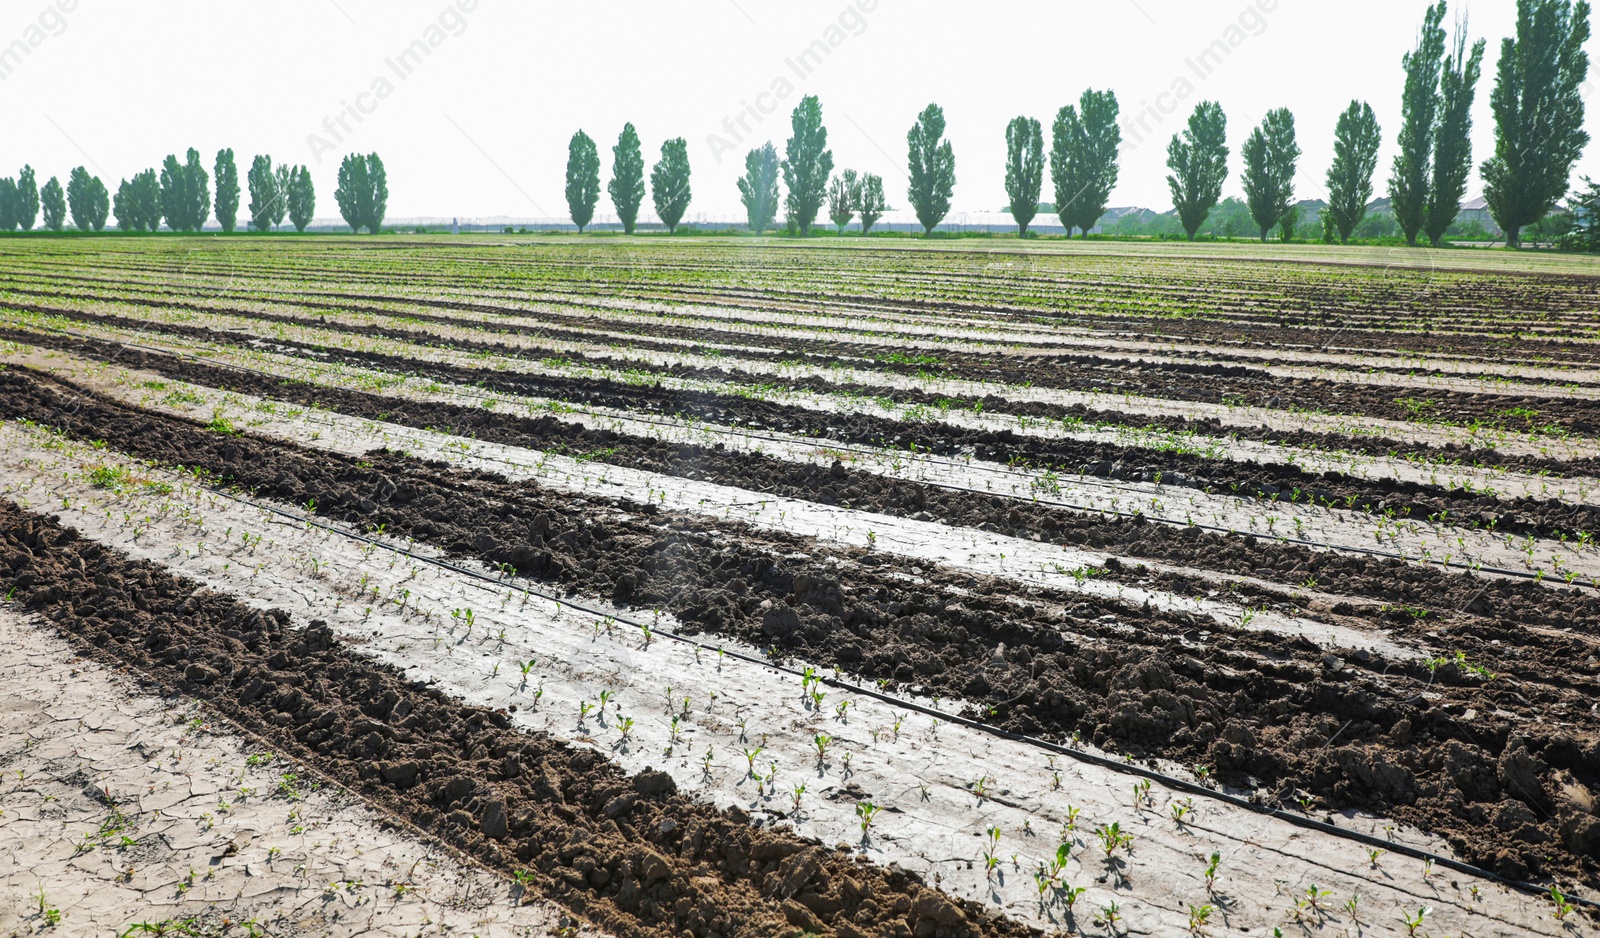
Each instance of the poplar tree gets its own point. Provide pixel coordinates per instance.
(1024, 170)
(1419, 109)
(1538, 113)
(583, 179)
(1199, 163)
(1270, 156)
(758, 188)
(932, 165)
(669, 183)
(1084, 142)
(227, 201)
(626, 187)
(807, 163)
(1356, 139)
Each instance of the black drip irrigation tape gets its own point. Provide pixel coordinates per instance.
(1069, 506)
(1169, 781)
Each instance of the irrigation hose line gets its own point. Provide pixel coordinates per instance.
(1070, 506)
(1169, 781)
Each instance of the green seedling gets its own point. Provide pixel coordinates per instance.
(1214, 861)
(1414, 922)
(1109, 916)
(821, 741)
(750, 756)
(1112, 836)
(866, 811)
(798, 792)
(1562, 904)
(1198, 916)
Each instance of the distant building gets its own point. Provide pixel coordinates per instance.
(1478, 210)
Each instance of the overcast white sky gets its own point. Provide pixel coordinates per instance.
(480, 126)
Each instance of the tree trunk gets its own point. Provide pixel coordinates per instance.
(1437, 242)
(1514, 236)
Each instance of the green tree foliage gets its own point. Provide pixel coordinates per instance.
(379, 174)
(758, 188)
(147, 199)
(185, 192)
(1270, 156)
(844, 193)
(1419, 109)
(1199, 163)
(53, 204)
(124, 209)
(227, 201)
(265, 199)
(807, 163)
(1452, 145)
(626, 187)
(871, 205)
(1083, 158)
(302, 198)
(669, 183)
(583, 179)
(88, 200)
(27, 207)
(283, 172)
(1585, 208)
(932, 167)
(1355, 158)
(8, 204)
(363, 192)
(1538, 112)
(1289, 222)
(1024, 170)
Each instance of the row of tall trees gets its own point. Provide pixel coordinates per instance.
(806, 171)
(1537, 104)
(669, 179)
(1538, 110)
(181, 196)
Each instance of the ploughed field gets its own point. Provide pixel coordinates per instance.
(669, 587)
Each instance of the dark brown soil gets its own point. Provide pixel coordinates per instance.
(630, 854)
(1548, 518)
(1199, 378)
(1483, 762)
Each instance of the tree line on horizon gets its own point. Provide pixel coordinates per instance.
(1537, 104)
(181, 196)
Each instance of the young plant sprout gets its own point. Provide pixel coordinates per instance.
(1071, 894)
(1414, 922)
(1109, 916)
(1198, 916)
(1112, 836)
(821, 741)
(1562, 904)
(991, 858)
(1212, 863)
(750, 756)
(797, 793)
(866, 811)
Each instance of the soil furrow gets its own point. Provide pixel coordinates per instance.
(1264, 709)
(633, 855)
